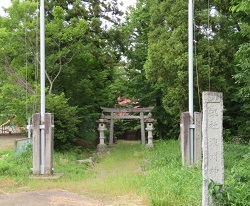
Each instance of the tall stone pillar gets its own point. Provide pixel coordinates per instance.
(212, 144)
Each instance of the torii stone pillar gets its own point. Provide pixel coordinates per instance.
(111, 131)
(101, 128)
(142, 128)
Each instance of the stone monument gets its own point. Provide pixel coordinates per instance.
(212, 144)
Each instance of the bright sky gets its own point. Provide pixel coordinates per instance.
(4, 3)
(7, 3)
(128, 2)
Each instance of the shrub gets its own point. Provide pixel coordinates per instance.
(65, 120)
(237, 182)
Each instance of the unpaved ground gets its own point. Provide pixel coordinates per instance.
(57, 197)
(48, 198)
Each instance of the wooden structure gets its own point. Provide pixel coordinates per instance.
(127, 113)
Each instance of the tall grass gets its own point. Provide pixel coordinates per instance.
(237, 176)
(154, 174)
(167, 182)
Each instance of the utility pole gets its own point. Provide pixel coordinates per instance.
(42, 80)
(190, 79)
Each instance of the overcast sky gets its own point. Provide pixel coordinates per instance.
(6, 3)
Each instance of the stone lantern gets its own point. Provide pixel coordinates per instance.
(101, 128)
(149, 121)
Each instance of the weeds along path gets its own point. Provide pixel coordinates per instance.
(118, 175)
(114, 180)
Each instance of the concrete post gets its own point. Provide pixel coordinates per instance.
(184, 138)
(49, 144)
(197, 137)
(36, 143)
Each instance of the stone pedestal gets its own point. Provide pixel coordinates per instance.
(101, 128)
(150, 129)
(212, 143)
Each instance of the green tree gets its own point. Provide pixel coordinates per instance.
(242, 71)
(132, 39)
(80, 58)
(66, 120)
(167, 62)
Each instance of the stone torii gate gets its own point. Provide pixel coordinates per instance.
(115, 113)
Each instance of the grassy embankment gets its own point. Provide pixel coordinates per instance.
(129, 169)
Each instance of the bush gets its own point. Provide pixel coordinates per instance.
(237, 182)
(65, 120)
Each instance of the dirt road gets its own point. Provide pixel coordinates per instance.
(57, 197)
(48, 198)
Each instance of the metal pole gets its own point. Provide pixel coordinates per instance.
(42, 79)
(29, 130)
(190, 79)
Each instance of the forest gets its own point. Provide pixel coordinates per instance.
(97, 54)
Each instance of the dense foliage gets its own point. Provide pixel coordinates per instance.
(80, 63)
(93, 57)
(159, 31)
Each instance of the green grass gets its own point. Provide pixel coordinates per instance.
(167, 182)
(154, 175)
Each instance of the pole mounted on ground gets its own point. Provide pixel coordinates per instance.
(190, 79)
(42, 80)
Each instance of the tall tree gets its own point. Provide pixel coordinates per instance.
(165, 63)
(80, 58)
(242, 72)
(133, 41)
